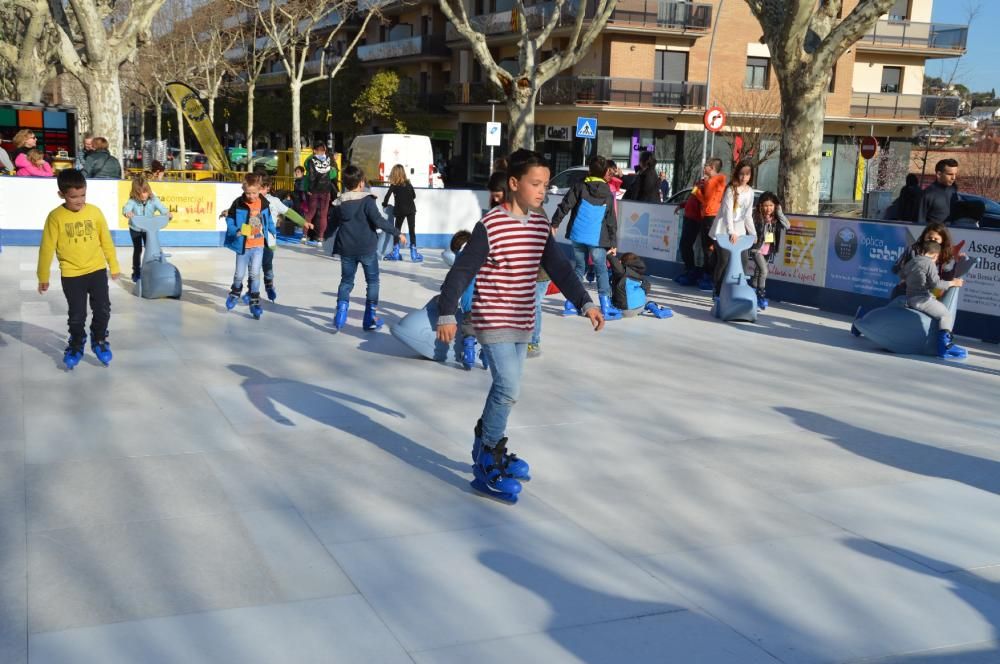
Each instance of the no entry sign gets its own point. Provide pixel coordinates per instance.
(869, 146)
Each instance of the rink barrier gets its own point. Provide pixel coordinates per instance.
(832, 263)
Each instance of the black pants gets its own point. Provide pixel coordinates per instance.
(77, 290)
(138, 242)
(690, 232)
(411, 220)
(267, 265)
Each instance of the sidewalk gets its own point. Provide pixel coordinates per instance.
(243, 491)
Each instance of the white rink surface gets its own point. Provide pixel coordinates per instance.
(232, 490)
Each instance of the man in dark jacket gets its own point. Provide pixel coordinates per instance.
(940, 195)
(100, 163)
(358, 218)
(593, 230)
(645, 188)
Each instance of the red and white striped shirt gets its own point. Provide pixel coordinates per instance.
(504, 297)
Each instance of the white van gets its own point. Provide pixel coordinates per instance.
(378, 153)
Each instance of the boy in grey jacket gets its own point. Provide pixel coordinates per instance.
(921, 275)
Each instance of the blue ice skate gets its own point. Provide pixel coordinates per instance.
(231, 301)
(371, 320)
(74, 353)
(659, 312)
(609, 311)
(340, 318)
(255, 309)
(517, 467)
(415, 256)
(469, 359)
(272, 294)
(102, 349)
(569, 309)
(490, 477)
(393, 255)
(245, 299)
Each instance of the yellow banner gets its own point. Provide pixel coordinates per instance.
(187, 100)
(192, 205)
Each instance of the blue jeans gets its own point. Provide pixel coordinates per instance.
(249, 259)
(540, 288)
(349, 267)
(600, 257)
(506, 364)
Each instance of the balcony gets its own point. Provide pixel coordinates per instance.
(940, 39)
(903, 107)
(422, 45)
(599, 91)
(684, 17)
(428, 102)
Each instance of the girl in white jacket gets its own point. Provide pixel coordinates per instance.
(735, 217)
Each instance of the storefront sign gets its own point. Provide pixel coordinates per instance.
(801, 256)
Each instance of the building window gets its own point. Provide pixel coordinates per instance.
(757, 73)
(900, 11)
(892, 80)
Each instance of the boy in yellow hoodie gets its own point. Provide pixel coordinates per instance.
(78, 235)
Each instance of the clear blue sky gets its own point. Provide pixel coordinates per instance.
(979, 69)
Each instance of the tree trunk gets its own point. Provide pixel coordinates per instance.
(251, 91)
(296, 89)
(104, 96)
(159, 122)
(180, 140)
(142, 135)
(29, 87)
(521, 110)
(802, 113)
(211, 108)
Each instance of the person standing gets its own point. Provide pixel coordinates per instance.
(709, 195)
(101, 163)
(735, 219)
(937, 199)
(645, 188)
(664, 187)
(321, 183)
(6, 165)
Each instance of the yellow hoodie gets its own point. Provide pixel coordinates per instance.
(81, 241)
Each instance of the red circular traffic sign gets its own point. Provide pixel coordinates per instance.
(869, 146)
(715, 119)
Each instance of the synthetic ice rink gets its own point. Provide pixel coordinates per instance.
(243, 491)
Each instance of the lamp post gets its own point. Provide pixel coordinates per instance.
(329, 53)
(708, 85)
(493, 118)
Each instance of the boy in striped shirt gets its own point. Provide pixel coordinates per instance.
(507, 247)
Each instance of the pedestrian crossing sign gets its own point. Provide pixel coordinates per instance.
(586, 127)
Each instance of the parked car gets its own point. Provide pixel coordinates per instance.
(191, 158)
(991, 217)
(376, 154)
(568, 179)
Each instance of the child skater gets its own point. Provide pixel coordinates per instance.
(278, 209)
(78, 235)
(593, 230)
(735, 218)
(921, 275)
(357, 243)
(401, 191)
(249, 229)
(503, 255)
(769, 222)
(630, 287)
(142, 202)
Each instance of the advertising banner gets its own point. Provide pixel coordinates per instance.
(193, 206)
(981, 292)
(861, 254)
(652, 231)
(801, 256)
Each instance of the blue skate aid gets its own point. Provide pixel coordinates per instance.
(158, 277)
(490, 477)
(899, 329)
(517, 467)
(737, 300)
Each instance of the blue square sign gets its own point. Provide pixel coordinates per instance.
(586, 127)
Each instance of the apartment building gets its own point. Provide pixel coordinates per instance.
(646, 81)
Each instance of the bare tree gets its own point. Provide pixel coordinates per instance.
(297, 29)
(753, 120)
(980, 167)
(27, 49)
(535, 26)
(805, 41)
(95, 38)
(212, 37)
(252, 53)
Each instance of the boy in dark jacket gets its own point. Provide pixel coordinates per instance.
(593, 230)
(356, 242)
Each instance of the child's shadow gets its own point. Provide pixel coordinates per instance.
(332, 408)
(42, 339)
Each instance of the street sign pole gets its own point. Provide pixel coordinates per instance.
(493, 118)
